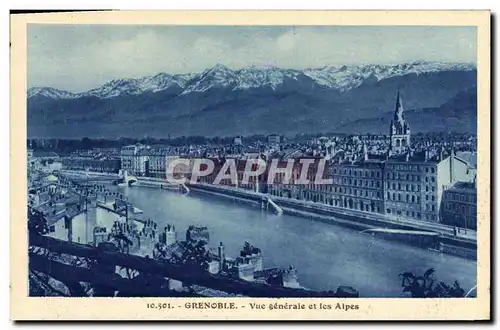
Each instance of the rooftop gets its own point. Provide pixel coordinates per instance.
(44, 154)
(464, 187)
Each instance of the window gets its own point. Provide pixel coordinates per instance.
(426, 179)
(407, 198)
(413, 198)
(389, 211)
(399, 186)
(418, 215)
(426, 188)
(432, 198)
(388, 195)
(433, 179)
(407, 177)
(399, 197)
(393, 186)
(426, 170)
(426, 197)
(432, 170)
(433, 208)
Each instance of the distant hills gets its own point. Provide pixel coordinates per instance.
(259, 100)
(458, 115)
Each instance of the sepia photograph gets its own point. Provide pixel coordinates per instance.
(236, 161)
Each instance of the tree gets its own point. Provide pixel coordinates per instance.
(195, 256)
(86, 143)
(37, 224)
(426, 286)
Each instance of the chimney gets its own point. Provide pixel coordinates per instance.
(452, 167)
(441, 154)
(222, 256)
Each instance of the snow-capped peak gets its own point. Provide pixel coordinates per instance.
(50, 92)
(351, 76)
(340, 77)
(134, 86)
(217, 76)
(266, 76)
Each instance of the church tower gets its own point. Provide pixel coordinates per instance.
(399, 130)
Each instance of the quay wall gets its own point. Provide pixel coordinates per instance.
(161, 184)
(355, 220)
(234, 198)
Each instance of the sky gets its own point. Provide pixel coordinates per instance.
(77, 58)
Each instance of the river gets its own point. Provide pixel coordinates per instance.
(325, 255)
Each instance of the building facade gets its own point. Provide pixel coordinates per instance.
(141, 160)
(459, 205)
(131, 161)
(91, 164)
(273, 139)
(357, 185)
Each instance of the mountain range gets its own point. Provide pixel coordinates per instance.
(258, 100)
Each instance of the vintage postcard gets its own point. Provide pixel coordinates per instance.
(259, 165)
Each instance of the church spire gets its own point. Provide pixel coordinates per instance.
(398, 114)
(399, 129)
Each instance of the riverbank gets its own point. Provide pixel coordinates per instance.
(462, 245)
(326, 255)
(446, 243)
